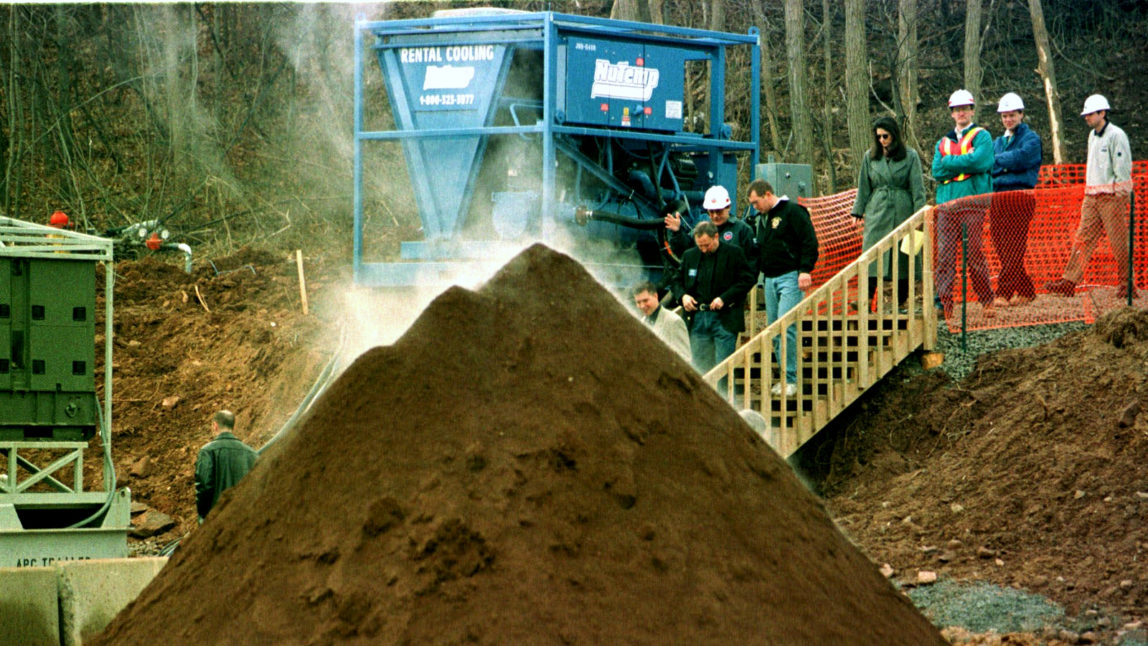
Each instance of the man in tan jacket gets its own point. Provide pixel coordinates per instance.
(669, 327)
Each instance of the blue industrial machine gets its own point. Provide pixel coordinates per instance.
(49, 406)
(564, 129)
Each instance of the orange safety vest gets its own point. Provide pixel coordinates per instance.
(950, 147)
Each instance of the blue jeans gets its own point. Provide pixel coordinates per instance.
(710, 342)
(781, 295)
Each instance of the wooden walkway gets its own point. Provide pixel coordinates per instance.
(846, 341)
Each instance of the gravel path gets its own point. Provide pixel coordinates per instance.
(959, 363)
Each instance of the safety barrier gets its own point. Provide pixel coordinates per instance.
(1040, 252)
(845, 340)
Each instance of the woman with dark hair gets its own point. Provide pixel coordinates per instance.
(890, 189)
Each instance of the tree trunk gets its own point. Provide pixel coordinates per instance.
(767, 75)
(973, 50)
(717, 15)
(1048, 79)
(856, 81)
(795, 50)
(908, 69)
(638, 10)
(827, 91)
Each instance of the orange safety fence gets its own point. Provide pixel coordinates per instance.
(1016, 255)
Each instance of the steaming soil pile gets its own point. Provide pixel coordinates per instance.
(527, 464)
(1032, 473)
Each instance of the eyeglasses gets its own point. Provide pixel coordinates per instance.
(884, 136)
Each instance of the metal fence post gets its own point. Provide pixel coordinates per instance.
(1131, 241)
(964, 284)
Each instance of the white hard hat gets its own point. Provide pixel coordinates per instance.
(1010, 102)
(961, 97)
(1095, 103)
(716, 198)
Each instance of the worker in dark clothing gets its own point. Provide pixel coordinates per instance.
(711, 285)
(787, 247)
(221, 463)
(717, 204)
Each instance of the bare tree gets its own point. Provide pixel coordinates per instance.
(767, 74)
(827, 91)
(717, 15)
(795, 50)
(976, 28)
(908, 68)
(638, 10)
(856, 80)
(1048, 79)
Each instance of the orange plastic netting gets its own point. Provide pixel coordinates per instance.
(1015, 256)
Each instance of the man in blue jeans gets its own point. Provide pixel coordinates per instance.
(787, 247)
(711, 285)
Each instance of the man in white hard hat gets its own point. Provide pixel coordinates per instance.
(717, 205)
(962, 160)
(1016, 166)
(1108, 183)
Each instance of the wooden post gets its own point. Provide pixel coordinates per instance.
(302, 281)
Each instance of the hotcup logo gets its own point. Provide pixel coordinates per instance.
(623, 81)
(447, 77)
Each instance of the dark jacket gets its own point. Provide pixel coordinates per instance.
(730, 277)
(221, 463)
(733, 232)
(1017, 166)
(786, 240)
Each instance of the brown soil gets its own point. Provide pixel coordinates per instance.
(240, 343)
(508, 472)
(1031, 473)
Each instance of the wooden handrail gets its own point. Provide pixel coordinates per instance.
(850, 342)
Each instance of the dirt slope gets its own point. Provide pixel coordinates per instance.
(242, 343)
(508, 472)
(1031, 473)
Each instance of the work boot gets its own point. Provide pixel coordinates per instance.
(1061, 287)
(1122, 291)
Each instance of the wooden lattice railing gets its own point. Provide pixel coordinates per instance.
(846, 340)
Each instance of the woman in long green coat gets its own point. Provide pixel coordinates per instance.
(890, 189)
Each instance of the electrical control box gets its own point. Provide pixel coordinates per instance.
(47, 348)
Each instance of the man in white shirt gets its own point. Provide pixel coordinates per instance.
(1108, 185)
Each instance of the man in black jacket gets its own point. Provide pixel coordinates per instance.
(221, 463)
(711, 285)
(787, 247)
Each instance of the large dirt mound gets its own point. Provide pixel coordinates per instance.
(527, 464)
(1033, 472)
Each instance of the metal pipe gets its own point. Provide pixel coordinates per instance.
(181, 246)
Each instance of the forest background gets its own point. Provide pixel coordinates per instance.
(231, 123)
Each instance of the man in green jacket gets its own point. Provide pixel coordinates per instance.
(221, 463)
(962, 162)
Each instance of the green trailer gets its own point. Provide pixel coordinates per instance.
(50, 410)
